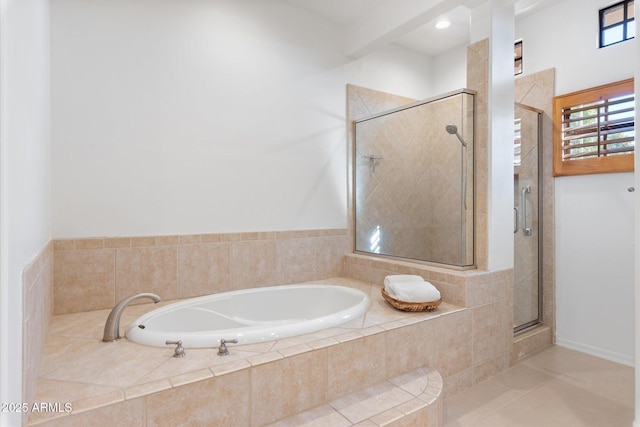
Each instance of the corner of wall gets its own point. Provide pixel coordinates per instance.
(37, 299)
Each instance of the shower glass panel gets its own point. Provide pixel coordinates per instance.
(413, 181)
(527, 217)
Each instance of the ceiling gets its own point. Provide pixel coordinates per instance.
(425, 39)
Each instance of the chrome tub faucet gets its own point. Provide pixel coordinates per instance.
(112, 327)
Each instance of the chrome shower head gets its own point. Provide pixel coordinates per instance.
(453, 130)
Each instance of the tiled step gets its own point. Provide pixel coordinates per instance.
(411, 399)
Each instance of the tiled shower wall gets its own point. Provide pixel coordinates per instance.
(37, 300)
(487, 294)
(411, 195)
(92, 274)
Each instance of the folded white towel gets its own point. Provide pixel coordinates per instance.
(402, 278)
(416, 291)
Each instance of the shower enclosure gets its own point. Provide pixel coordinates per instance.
(413, 181)
(527, 224)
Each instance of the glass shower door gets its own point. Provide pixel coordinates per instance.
(527, 218)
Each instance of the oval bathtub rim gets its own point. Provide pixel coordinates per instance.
(246, 335)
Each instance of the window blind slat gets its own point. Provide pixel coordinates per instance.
(619, 125)
(597, 104)
(592, 129)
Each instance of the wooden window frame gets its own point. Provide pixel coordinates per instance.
(600, 164)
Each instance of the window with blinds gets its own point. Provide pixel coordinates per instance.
(594, 130)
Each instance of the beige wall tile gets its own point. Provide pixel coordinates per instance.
(296, 260)
(128, 413)
(117, 242)
(203, 269)
(147, 269)
(330, 252)
(63, 244)
(195, 404)
(452, 343)
(89, 243)
(288, 386)
(492, 336)
(37, 300)
(408, 348)
(84, 280)
(356, 364)
(143, 241)
(253, 263)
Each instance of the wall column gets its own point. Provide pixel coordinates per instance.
(494, 20)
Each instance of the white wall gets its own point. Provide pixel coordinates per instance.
(594, 213)
(204, 116)
(24, 173)
(595, 265)
(449, 70)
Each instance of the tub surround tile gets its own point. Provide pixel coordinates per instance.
(156, 386)
(191, 377)
(95, 273)
(153, 269)
(296, 260)
(192, 404)
(301, 382)
(230, 366)
(106, 373)
(295, 350)
(195, 360)
(84, 280)
(335, 356)
(121, 414)
(265, 358)
(254, 262)
(348, 336)
(98, 401)
(322, 343)
(68, 391)
(203, 269)
(415, 382)
(117, 364)
(349, 366)
(63, 351)
(404, 357)
(388, 418)
(37, 310)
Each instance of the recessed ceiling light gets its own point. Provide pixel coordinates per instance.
(443, 23)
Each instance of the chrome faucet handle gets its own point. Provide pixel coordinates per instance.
(179, 349)
(223, 350)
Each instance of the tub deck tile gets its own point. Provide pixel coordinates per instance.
(98, 374)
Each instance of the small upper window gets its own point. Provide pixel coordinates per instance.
(617, 23)
(517, 58)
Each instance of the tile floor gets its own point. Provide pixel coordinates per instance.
(557, 387)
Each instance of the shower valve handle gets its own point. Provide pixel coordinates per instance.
(179, 352)
(223, 350)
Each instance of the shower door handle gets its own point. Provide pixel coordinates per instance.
(515, 219)
(525, 190)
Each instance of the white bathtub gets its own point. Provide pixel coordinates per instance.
(250, 315)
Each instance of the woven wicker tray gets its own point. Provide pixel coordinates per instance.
(411, 306)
